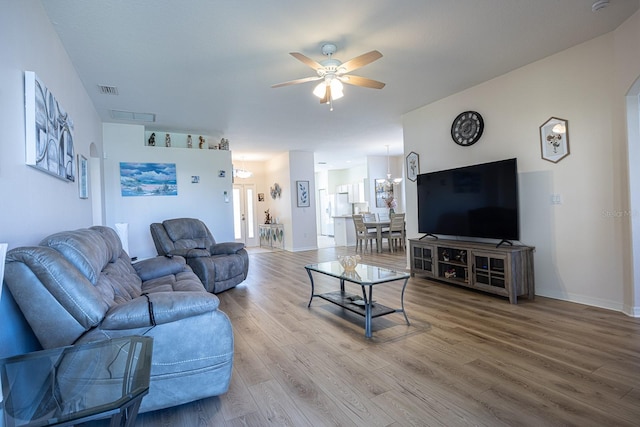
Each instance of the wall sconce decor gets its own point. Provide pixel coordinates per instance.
(275, 191)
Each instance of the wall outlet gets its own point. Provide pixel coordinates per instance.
(556, 199)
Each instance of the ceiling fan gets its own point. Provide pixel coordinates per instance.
(333, 73)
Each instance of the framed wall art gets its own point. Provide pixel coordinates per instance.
(384, 191)
(49, 131)
(554, 139)
(303, 194)
(83, 181)
(148, 179)
(413, 166)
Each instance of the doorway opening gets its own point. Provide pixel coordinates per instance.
(244, 214)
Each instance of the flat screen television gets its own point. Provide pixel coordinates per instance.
(473, 201)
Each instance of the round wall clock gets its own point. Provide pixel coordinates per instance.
(467, 128)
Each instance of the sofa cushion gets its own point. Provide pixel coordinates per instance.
(85, 249)
(166, 307)
(187, 233)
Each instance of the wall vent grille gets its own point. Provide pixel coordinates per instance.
(132, 116)
(108, 90)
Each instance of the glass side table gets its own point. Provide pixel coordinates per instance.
(74, 384)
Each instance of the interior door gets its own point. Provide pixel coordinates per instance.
(244, 214)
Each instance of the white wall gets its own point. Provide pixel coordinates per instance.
(303, 219)
(204, 200)
(581, 244)
(299, 223)
(35, 204)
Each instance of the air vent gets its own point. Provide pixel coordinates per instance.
(108, 90)
(131, 116)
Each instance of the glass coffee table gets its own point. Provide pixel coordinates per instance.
(366, 276)
(75, 384)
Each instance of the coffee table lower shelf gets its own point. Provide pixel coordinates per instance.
(346, 301)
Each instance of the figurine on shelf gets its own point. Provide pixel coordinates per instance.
(152, 140)
(224, 144)
(189, 142)
(445, 255)
(267, 217)
(167, 140)
(201, 143)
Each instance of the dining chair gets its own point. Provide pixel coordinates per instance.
(383, 216)
(370, 217)
(363, 235)
(396, 233)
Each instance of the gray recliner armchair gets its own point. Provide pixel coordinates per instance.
(220, 266)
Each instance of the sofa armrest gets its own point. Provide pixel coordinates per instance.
(159, 307)
(160, 266)
(226, 248)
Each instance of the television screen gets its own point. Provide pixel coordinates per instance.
(472, 201)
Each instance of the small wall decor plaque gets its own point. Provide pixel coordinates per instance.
(275, 191)
(554, 139)
(303, 194)
(83, 182)
(413, 166)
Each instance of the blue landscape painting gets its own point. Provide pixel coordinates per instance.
(148, 179)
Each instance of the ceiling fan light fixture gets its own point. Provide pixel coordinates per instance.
(336, 89)
(320, 90)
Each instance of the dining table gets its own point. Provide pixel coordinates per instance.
(379, 226)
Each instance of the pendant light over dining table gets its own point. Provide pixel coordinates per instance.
(391, 181)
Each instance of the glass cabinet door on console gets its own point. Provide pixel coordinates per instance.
(490, 271)
(422, 260)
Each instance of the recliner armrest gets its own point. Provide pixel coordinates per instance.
(226, 248)
(167, 307)
(160, 266)
(190, 253)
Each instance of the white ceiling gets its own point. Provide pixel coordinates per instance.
(207, 66)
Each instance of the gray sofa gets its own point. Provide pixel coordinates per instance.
(220, 266)
(80, 286)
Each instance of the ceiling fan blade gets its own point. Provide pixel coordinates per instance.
(360, 61)
(298, 81)
(327, 95)
(310, 62)
(362, 81)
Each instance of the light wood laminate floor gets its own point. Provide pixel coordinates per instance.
(467, 359)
